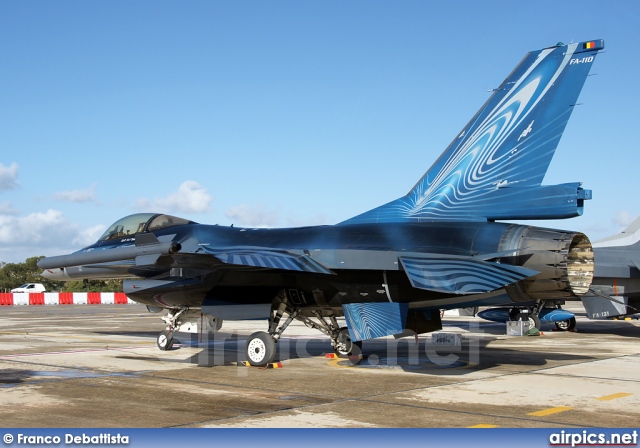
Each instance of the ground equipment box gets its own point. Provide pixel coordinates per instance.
(518, 327)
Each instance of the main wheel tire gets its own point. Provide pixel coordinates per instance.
(261, 349)
(534, 320)
(566, 325)
(165, 340)
(344, 347)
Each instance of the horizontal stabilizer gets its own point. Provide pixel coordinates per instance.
(461, 275)
(269, 258)
(602, 307)
(375, 320)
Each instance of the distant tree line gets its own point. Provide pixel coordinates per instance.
(13, 275)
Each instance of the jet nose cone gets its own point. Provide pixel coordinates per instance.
(55, 274)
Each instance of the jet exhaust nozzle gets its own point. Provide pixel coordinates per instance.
(565, 261)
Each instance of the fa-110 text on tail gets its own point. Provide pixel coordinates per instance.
(390, 270)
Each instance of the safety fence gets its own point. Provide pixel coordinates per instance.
(64, 298)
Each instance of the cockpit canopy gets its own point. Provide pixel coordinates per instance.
(140, 223)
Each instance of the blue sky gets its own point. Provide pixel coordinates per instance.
(281, 113)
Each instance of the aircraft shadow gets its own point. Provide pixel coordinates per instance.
(473, 354)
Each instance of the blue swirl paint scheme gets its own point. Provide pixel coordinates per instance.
(461, 276)
(494, 168)
(375, 320)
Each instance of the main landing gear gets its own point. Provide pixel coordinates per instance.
(343, 346)
(526, 314)
(261, 346)
(532, 314)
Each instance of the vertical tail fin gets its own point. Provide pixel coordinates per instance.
(494, 168)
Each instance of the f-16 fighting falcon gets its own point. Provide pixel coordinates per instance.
(390, 270)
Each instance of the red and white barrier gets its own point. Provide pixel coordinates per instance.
(64, 298)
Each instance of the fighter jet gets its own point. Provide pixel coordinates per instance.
(390, 270)
(616, 285)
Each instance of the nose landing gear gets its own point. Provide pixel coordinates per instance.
(165, 340)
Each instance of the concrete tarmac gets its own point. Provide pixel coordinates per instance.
(99, 366)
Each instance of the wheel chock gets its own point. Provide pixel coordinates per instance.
(271, 365)
(353, 358)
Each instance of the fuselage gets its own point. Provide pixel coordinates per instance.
(321, 265)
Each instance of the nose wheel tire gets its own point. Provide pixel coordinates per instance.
(261, 349)
(165, 340)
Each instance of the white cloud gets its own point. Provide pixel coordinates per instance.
(253, 216)
(34, 228)
(623, 218)
(78, 196)
(191, 197)
(7, 209)
(89, 236)
(48, 233)
(8, 176)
